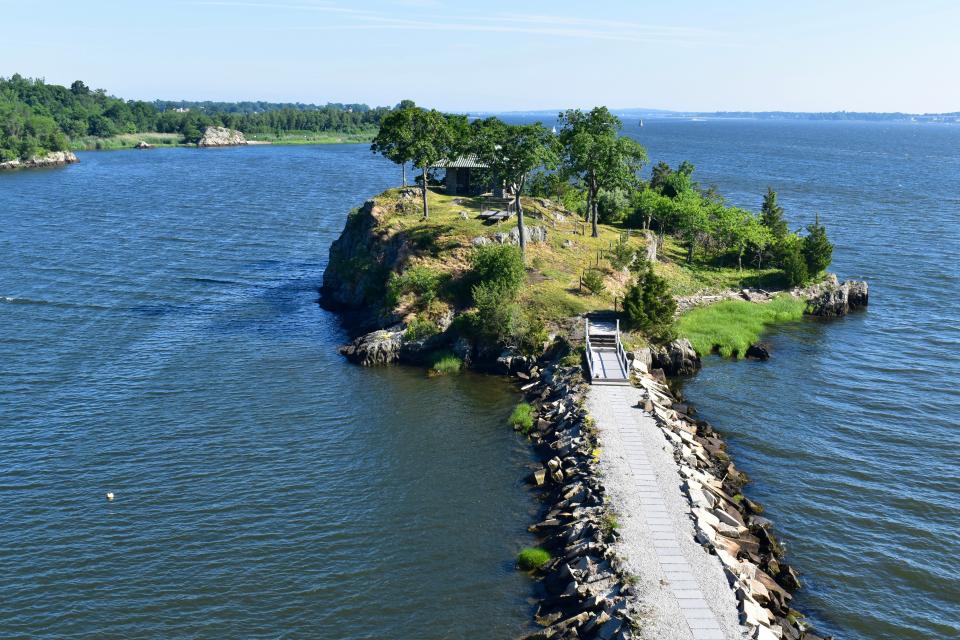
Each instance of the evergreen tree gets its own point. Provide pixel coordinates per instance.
(771, 215)
(792, 262)
(648, 303)
(817, 248)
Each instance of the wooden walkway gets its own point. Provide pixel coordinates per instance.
(606, 359)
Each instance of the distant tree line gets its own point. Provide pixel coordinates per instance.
(36, 117)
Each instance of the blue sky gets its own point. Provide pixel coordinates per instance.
(500, 55)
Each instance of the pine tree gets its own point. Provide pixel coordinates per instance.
(648, 303)
(817, 248)
(771, 215)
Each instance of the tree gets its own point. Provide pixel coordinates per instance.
(498, 264)
(395, 138)
(661, 171)
(771, 215)
(430, 142)
(595, 153)
(792, 261)
(512, 152)
(692, 220)
(648, 304)
(817, 248)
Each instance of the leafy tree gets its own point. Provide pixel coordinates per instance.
(431, 140)
(512, 152)
(648, 304)
(692, 220)
(817, 248)
(613, 205)
(394, 140)
(501, 265)
(661, 171)
(595, 153)
(771, 215)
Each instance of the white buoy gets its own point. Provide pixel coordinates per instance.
(110, 496)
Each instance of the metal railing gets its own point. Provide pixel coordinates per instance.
(589, 351)
(622, 354)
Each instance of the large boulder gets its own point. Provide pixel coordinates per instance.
(535, 235)
(677, 358)
(221, 137)
(375, 348)
(832, 298)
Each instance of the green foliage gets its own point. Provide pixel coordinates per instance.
(445, 363)
(771, 215)
(817, 248)
(420, 328)
(730, 327)
(530, 333)
(422, 282)
(621, 256)
(792, 261)
(593, 281)
(36, 117)
(496, 311)
(613, 206)
(533, 558)
(522, 418)
(648, 304)
(500, 265)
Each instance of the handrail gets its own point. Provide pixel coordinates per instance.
(622, 354)
(589, 351)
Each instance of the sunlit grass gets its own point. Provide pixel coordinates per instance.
(730, 327)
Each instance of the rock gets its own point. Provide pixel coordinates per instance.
(463, 215)
(651, 253)
(831, 298)
(501, 237)
(221, 137)
(758, 351)
(52, 159)
(535, 235)
(643, 359)
(567, 243)
(677, 358)
(375, 348)
(481, 241)
(143, 145)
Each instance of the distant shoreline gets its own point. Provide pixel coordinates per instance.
(167, 140)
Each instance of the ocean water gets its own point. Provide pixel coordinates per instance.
(159, 338)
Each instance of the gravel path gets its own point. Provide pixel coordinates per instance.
(684, 594)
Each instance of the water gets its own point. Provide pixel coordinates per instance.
(849, 432)
(161, 340)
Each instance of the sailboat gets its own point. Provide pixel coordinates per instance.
(641, 123)
(554, 130)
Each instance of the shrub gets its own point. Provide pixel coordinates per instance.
(501, 265)
(793, 264)
(648, 303)
(533, 558)
(612, 206)
(530, 333)
(445, 363)
(497, 310)
(522, 418)
(423, 282)
(593, 281)
(621, 256)
(420, 328)
(817, 248)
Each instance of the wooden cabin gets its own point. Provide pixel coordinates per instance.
(460, 179)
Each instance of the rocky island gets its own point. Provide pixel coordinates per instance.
(51, 159)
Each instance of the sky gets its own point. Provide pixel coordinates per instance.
(500, 55)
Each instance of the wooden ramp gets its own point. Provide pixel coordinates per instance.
(606, 359)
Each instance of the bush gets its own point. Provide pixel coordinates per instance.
(501, 265)
(648, 303)
(593, 281)
(533, 558)
(422, 282)
(522, 418)
(613, 206)
(420, 328)
(621, 256)
(793, 263)
(445, 363)
(497, 311)
(530, 333)
(817, 249)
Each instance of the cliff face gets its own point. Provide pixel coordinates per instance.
(221, 137)
(361, 259)
(52, 159)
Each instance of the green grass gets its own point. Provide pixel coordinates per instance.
(688, 279)
(522, 418)
(125, 141)
(310, 137)
(533, 558)
(445, 363)
(730, 327)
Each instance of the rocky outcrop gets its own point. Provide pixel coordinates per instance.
(221, 137)
(758, 351)
(143, 145)
(677, 358)
(375, 348)
(533, 234)
(832, 298)
(52, 159)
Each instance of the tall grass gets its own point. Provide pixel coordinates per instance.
(730, 327)
(533, 558)
(522, 418)
(445, 363)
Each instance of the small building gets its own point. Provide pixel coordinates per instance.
(461, 179)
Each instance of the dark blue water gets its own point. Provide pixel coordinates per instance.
(850, 431)
(159, 339)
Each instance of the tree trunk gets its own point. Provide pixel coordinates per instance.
(523, 232)
(690, 248)
(403, 173)
(740, 261)
(423, 174)
(593, 218)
